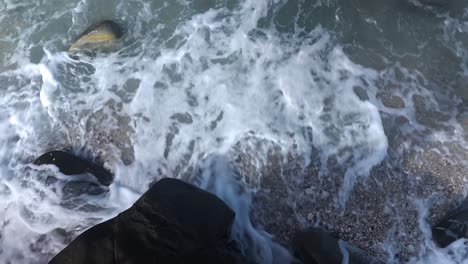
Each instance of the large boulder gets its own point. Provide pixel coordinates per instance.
(315, 246)
(173, 222)
(453, 227)
(71, 165)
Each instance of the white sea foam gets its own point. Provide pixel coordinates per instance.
(186, 91)
(457, 252)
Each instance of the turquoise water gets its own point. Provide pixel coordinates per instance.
(216, 92)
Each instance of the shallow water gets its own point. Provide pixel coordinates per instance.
(217, 93)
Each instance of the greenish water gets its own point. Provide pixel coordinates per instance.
(214, 92)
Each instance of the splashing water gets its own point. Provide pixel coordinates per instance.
(213, 93)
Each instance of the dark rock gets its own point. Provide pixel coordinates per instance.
(173, 222)
(452, 227)
(315, 246)
(361, 93)
(72, 165)
(185, 118)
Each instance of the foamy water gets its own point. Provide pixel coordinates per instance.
(195, 85)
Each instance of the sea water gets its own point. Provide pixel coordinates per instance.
(214, 91)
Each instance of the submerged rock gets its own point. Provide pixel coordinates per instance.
(315, 246)
(452, 227)
(72, 165)
(102, 36)
(173, 222)
(76, 188)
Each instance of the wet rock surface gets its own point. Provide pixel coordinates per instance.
(71, 165)
(315, 246)
(452, 227)
(101, 36)
(173, 222)
(392, 101)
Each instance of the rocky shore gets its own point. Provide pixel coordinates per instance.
(420, 182)
(384, 212)
(174, 222)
